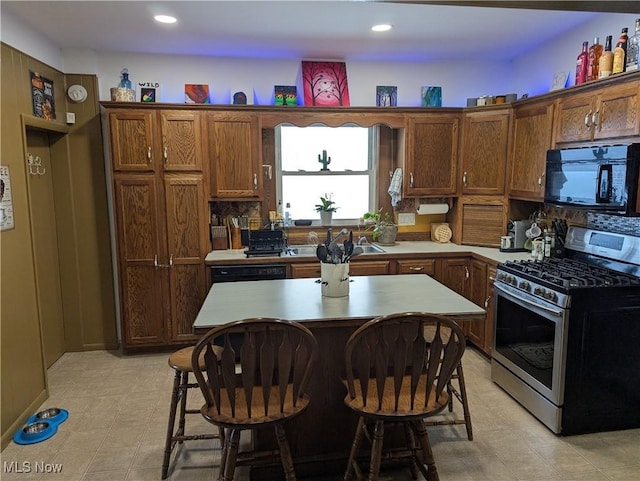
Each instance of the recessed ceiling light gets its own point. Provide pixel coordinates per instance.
(165, 19)
(383, 27)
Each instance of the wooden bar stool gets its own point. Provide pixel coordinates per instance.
(180, 362)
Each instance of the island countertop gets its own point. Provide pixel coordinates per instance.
(301, 300)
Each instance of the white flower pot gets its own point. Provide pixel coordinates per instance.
(325, 217)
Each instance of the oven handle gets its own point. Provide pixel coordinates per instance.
(528, 301)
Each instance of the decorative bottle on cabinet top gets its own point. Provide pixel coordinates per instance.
(606, 59)
(595, 52)
(620, 53)
(633, 49)
(582, 64)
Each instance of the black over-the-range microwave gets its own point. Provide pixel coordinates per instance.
(602, 179)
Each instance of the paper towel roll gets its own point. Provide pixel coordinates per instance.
(433, 209)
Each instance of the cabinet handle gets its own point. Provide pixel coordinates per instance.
(411, 179)
(464, 179)
(492, 278)
(155, 262)
(165, 155)
(587, 119)
(540, 179)
(149, 154)
(486, 302)
(255, 181)
(416, 269)
(171, 261)
(168, 266)
(466, 272)
(596, 119)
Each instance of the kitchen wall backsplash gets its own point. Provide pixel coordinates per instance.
(614, 223)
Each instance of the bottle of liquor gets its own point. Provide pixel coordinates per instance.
(620, 53)
(633, 49)
(605, 66)
(582, 63)
(595, 52)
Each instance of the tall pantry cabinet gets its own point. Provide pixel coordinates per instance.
(159, 208)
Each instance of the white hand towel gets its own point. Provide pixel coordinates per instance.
(395, 187)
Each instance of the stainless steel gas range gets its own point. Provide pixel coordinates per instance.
(567, 334)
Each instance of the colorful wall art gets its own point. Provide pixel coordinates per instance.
(42, 97)
(325, 84)
(432, 96)
(285, 95)
(196, 94)
(386, 96)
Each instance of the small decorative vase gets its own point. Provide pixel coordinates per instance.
(387, 234)
(334, 279)
(325, 217)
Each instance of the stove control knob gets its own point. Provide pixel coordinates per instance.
(500, 277)
(524, 285)
(512, 280)
(539, 291)
(552, 296)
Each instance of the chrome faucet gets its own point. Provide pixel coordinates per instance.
(362, 240)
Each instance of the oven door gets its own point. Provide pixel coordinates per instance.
(530, 340)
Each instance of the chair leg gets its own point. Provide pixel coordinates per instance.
(168, 447)
(450, 393)
(376, 451)
(285, 453)
(431, 473)
(183, 402)
(465, 404)
(355, 447)
(411, 442)
(229, 455)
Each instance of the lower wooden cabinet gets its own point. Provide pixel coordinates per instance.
(488, 306)
(477, 295)
(366, 268)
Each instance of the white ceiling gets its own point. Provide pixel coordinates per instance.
(300, 29)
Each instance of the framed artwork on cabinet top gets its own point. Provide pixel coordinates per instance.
(285, 95)
(386, 96)
(325, 84)
(432, 96)
(196, 94)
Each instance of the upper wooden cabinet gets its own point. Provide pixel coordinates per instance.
(234, 155)
(607, 113)
(138, 145)
(532, 137)
(431, 155)
(483, 160)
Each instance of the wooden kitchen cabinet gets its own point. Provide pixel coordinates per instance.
(477, 294)
(431, 155)
(488, 306)
(234, 149)
(160, 213)
(532, 137)
(361, 268)
(606, 113)
(483, 160)
(454, 273)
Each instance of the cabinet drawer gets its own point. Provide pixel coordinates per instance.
(422, 266)
(367, 268)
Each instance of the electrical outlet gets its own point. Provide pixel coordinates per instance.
(406, 219)
(71, 118)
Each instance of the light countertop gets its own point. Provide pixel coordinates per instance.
(301, 300)
(403, 248)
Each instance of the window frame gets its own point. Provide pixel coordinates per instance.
(373, 163)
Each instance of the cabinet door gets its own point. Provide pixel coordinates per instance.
(454, 273)
(234, 155)
(432, 155)
(488, 306)
(181, 140)
(484, 152)
(139, 249)
(186, 247)
(132, 140)
(477, 295)
(532, 136)
(618, 112)
(574, 120)
(417, 266)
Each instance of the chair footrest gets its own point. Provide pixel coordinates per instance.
(194, 437)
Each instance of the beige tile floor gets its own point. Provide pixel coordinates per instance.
(118, 407)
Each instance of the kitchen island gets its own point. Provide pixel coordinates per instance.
(321, 437)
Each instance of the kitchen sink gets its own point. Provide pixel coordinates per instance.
(310, 250)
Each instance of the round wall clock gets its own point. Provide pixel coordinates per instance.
(77, 93)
